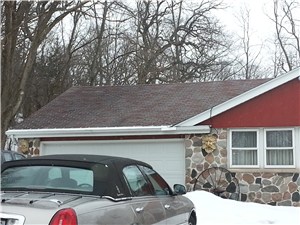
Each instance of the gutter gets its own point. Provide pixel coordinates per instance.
(108, 131)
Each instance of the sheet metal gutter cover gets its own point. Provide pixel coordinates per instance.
(108, 131)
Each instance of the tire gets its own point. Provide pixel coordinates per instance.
(192, 220)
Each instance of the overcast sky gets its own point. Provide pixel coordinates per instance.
(260, 25)
(262, 29)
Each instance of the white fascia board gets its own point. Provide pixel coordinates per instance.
(261, 89)
(107, 131)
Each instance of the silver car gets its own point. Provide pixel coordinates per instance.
(89, 189)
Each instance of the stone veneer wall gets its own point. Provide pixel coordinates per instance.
(261, 187)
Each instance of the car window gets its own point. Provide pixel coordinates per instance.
(7, 156)
(10, 155)
(136, 181)
(45, 177)
(19, 156)
(54, 173)
(18, 177)
(83, 177)
(160, 185)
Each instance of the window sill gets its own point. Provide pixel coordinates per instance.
(264, 170)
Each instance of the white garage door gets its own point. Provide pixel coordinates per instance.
(166, 156)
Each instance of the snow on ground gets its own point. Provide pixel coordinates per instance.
(212, 209)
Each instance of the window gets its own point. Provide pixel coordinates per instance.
(279, 147)
(264, 148)
(244, 148)
(7, 156)
(19, 156)
(136, 181)
(160, 185)
(15, 177)
(48, 177)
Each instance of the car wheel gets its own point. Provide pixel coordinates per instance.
(192, 220)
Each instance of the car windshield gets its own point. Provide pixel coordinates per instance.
(48, 177)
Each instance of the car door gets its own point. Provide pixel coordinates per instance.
(145, 204)
(175, 210)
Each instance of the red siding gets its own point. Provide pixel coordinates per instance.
(276, 108)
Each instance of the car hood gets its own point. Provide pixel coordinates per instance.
(36, 208)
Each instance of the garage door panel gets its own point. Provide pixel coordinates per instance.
(166, 156)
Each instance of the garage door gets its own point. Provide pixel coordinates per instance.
(166, 156)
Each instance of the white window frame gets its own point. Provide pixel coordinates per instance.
(261, 148)
(265, 148)
(257, 148)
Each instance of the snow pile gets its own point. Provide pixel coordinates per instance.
(212, 209)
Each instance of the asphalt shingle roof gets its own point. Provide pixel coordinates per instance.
(139, 105)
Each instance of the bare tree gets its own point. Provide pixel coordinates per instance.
(32, 21)
(106, 50)
(152, 42)
(104, 43)
(175, 42)
(287, 34)
(249, 58)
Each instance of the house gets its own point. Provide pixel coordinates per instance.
(252, 128)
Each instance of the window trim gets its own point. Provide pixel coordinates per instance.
(257, 148)
(265, 148)
(261, 146)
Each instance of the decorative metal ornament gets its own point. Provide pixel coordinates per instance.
(24, 146)
(209, 143)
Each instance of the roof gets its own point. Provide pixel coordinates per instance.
(139, 105)
(161, 109)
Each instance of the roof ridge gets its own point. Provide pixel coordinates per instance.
(169, 84)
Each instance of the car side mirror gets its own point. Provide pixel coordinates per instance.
(179, 189)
